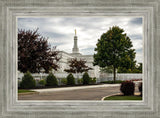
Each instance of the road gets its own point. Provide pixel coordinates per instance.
(79, 94)
(96, 93)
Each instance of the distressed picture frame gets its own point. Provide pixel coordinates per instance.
(11, 107)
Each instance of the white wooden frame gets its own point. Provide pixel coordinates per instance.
(11, 107)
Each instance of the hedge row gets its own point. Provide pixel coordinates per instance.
(28, 81)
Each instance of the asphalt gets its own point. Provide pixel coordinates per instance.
(94, 92)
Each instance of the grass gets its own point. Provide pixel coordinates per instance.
(24, 91)
(112, 82)
(119, 97)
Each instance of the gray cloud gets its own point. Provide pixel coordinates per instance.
(136, 21)
(60, 31)
(136, 36)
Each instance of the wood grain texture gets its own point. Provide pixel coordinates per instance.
(11, 108)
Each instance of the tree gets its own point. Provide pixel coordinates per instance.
(136, 69)
(140, 67)
(28, 81)
(51, 80)
(70, 79)
(34, 52)
(77, 66)
(114, 48)
(107, 69)
(86, 78)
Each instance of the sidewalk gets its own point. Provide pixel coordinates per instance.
(73, 88)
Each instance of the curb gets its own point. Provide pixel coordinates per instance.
(110, 95)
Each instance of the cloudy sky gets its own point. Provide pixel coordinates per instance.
(60, 31)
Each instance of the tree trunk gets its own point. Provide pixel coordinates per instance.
(114, 76)
(77, 78)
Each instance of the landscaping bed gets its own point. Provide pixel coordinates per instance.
(112, 82)
(61, 86)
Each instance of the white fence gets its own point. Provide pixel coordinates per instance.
(103, 76)
(120, 76)
(59, 76)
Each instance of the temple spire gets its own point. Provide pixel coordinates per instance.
(75, 46)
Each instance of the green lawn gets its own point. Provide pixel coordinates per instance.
(24, 91)
(123, 98)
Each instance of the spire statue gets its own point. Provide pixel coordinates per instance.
(75, 32)
(75, 46)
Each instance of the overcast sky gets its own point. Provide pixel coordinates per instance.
(60, 31)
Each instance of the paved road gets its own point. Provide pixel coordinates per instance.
(78, 94)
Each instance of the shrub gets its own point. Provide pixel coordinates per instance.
(86, 78)
(112, 82)
(80, 81)
(92, 80)
(140, 88)
(28, 81)
(42, 82)
(64, 81)
(70, 80)
(127, 88)
(51, 80)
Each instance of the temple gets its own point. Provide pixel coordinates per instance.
(63, 63)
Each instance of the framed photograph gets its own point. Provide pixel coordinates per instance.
(64, 66)
(44, 44)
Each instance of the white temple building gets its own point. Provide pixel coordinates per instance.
(65, 57)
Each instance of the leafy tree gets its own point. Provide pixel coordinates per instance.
(77, 66)
(34, 52)
(107, 69)
(140, 67)
(114, 48)
(135, 69)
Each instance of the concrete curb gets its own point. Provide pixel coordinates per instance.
(110, 95)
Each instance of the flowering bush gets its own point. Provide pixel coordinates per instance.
(127, 88)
